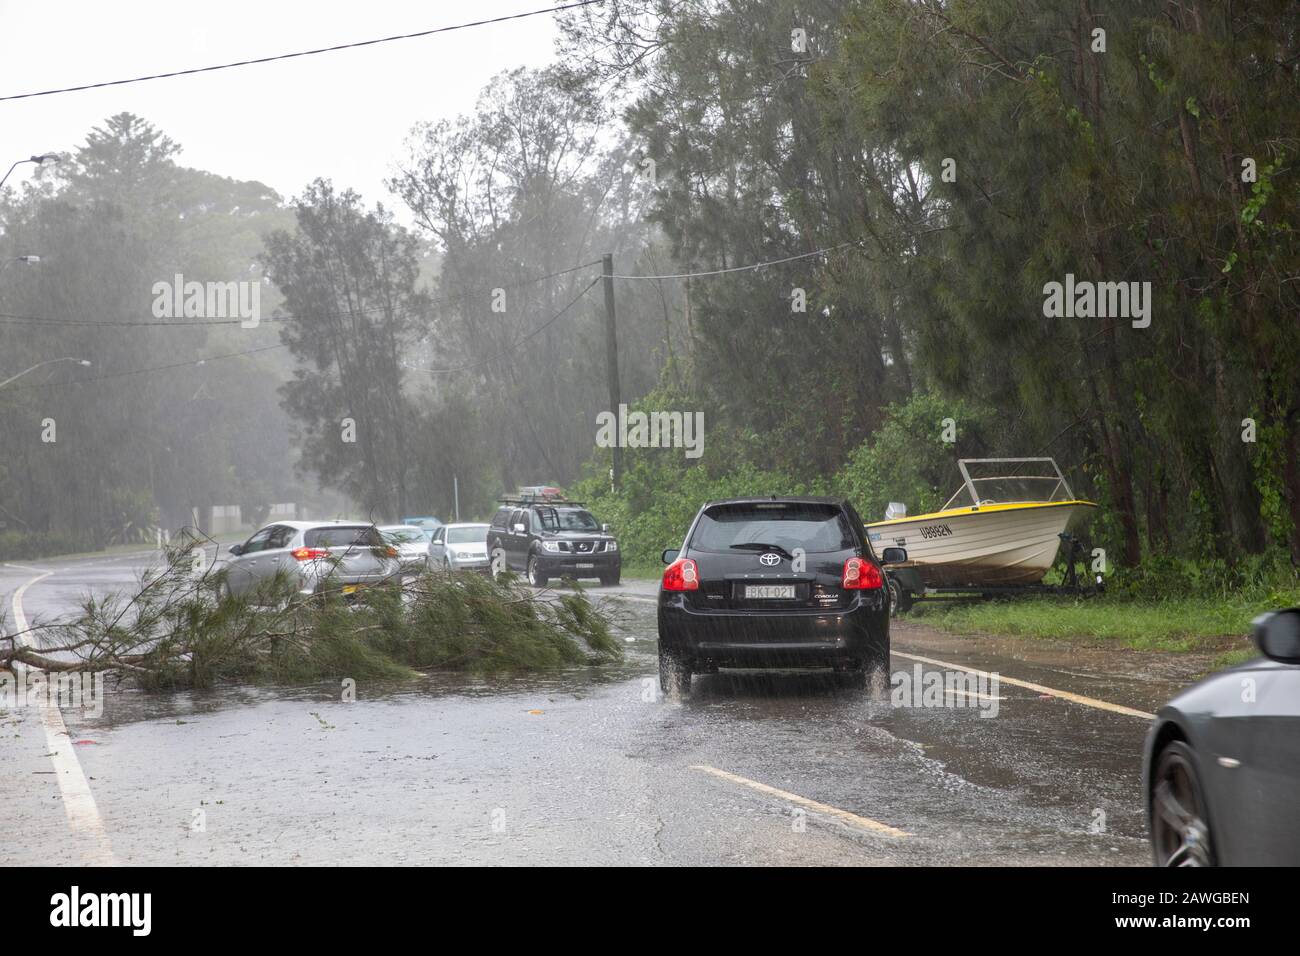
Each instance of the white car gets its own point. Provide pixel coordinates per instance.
(459, 547)
(411, 542)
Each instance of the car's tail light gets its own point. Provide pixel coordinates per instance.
(861, 575)
(310, 554)
(682, 575)
(391, 551)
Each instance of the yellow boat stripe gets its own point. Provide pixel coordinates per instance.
(983, 509)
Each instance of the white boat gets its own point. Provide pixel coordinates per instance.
(1008, 533)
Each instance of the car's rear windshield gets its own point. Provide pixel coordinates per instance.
(476, 534)
(342, 538)
(816, 528)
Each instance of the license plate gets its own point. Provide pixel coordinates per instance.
(770, 592)
(584, 567)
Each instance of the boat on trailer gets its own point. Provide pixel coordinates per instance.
(1001, 529)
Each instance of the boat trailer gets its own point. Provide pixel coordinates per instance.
(906, 586)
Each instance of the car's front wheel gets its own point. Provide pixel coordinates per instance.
(611, 579)
(1180, 826)
(674, 675)
(536, 576)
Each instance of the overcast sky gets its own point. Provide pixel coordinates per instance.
(342, 115)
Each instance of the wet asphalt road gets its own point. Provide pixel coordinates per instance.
(593, 766)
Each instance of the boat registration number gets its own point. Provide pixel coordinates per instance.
(935, 531)
(778, 592)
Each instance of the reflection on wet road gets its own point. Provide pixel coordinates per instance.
(594, 766)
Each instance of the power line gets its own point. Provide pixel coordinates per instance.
(748, 268)
(268, 348)
(152, 368)
(301, 53)
(461, 368)
(492, 358)
(7, 318)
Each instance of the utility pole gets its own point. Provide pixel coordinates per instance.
(611, 362)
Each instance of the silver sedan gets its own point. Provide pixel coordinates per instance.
(459, 547)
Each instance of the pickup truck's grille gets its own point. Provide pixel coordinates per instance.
(582, 547)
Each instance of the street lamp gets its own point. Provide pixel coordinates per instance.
(40, 159)
(79, 361)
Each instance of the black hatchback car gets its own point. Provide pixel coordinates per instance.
(773, 583)
(1222, 765)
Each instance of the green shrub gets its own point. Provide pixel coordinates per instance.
(17, 545)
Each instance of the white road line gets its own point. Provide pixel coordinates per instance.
(23, 567)
(825, 809)
(1014, 682)
(78, 801)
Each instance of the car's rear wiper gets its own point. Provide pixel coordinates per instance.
(760, 546)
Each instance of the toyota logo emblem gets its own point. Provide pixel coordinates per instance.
(770, 559)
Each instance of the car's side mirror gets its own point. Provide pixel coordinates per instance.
(893, 556)
(236, 550)
(1277, 635)
(519, 529)
(604, 529)
(670, 555)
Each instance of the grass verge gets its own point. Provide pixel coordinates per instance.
(1170, 624)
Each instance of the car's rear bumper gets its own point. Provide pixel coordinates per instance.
(812, 638)
(311, 582)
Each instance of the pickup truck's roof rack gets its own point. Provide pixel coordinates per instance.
(521, 500)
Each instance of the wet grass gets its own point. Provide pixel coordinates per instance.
(650, 571)
(1171, 624)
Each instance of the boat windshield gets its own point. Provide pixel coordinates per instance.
(1003, 480)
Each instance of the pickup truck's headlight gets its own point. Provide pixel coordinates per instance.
(552, 546)
(611, 545)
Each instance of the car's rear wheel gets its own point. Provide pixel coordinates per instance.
(1180, 826)
(900, 598)
(674, 675)
(536, 576)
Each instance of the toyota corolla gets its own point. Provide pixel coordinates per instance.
(773, 583)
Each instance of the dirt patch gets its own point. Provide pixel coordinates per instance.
(1090, 657)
